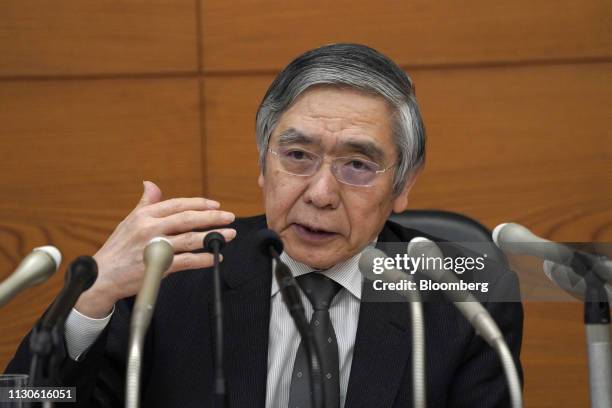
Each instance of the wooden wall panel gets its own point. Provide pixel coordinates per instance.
(231, 152)
(266, 35)
(68, 37)
(74, 154)
(491, 154)
(554, 356)
(529, 144)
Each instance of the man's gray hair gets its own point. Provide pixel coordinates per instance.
(355, 66)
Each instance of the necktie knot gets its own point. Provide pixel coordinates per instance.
(319, 289)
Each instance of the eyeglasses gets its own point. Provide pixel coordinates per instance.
(352, 170)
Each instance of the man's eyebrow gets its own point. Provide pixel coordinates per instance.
(367, 148)
(292, 135)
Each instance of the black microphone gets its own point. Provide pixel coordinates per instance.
(46, 341)
(81, 274)
(214, 243)
(270, 245)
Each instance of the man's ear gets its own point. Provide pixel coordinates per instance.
(400, 203)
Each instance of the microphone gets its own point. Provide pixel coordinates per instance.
(473, 311)
(80, 276)
(516, 239)
(270, 245)
(45, 340)
(158, 255)
(594, 273)
(35, 268)
(366, 267)
(213, 243)
(568, 280)
(597, 325)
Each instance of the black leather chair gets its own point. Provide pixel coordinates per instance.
(451, 227)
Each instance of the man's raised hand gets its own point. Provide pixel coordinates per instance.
(120, 263)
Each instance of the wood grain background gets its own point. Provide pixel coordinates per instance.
(97, 96)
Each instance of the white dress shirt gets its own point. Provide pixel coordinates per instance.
(284, 338)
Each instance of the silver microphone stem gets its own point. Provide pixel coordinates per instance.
(419, 389)
(476, 314)
(512, 377)
(594, 292)
(418, 347)
(600, 364)
(158, 257)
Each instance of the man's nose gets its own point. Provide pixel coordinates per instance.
(323, 189)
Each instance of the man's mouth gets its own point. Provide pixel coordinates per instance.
(311, 233)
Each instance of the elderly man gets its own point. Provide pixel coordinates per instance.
(340, 141)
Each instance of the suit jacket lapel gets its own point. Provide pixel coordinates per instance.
(382, 349)
(246, 305)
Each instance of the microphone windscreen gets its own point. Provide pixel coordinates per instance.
(53, 252)
(512, 233)
(267, 238)
(496, 231)
(213, 238)
(426, 248)
(83, 272)
(367, 260)
(422, 246)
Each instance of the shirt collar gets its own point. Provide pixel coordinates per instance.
(344, 273)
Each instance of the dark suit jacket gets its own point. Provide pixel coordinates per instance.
(462, 370)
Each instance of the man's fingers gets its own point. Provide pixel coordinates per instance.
(177, 205)
(190, 220)
(191, 241)
(188, 261)
(151, 194)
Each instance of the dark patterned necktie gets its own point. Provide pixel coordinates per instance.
(320, 290)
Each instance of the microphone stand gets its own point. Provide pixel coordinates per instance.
(599, 344)
(47, 339)
(46, 344)
(214, 242)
